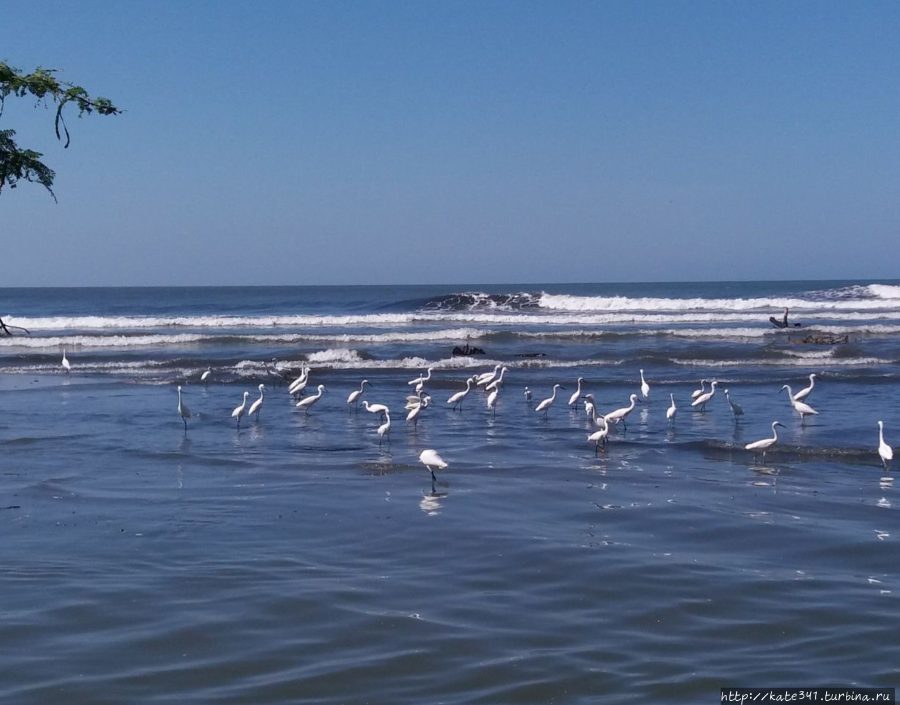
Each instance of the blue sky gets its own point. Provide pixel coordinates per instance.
(459, 142)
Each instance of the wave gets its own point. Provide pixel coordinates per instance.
(785, 362)
(566, 302)
(474, 300)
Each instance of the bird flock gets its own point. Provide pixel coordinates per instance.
(492, 383)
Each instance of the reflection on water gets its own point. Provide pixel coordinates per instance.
(431, 503)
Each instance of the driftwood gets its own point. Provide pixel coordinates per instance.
(6, 328)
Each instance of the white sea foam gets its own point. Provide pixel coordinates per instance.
(786, 362)
(885, 291)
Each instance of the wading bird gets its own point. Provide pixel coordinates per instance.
(573, 400)
(375, 408)
(621, 414)
(645, 388)
(800, 407)
(183, 410)
(385, 428)
(256, 406)
(736, 409)
(307, 403)
(803, 393)
(701, 401)
(456, 400)
(884, 450)
(239, 410)
(672, 410)
(766, 443)
(204, 378)
(548, 402)
(697, 392)
(432, 461)
(67, 366)
(353, 399)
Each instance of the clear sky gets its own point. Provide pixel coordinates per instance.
(459, 142)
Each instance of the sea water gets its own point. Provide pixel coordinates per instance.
(294, 559)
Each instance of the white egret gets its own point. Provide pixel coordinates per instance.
(457, 399)
(353, 399)
(67, 366)
(421, 380)
(766, 443)
(599, 437)
(736, 408)
(204, 378)
(498, 382)
(701, 401)
(299, 384)
(256, 406)
(697, 392)
(487, 377)
(590, 408)
(239, 410)
(645, 388)
(432, 461)
(528, 395)
(548, 402)
(416, 411)
(800, 407)
(375, 408)
(803, 393)
(307, 403)
(621, 414)
(492, 400)
(385, 428)
(573, 400)
(183, 410)
(672, 410)
(884, 450)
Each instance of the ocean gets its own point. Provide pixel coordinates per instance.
(292, 558)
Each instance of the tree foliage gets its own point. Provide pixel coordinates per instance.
(17, 164)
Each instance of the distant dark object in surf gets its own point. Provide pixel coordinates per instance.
(466, 350)
(6, 328)
(783, 323)
(822, 339)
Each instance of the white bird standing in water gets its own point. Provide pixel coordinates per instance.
(204, 378)
(621, 414)
(736, 409)
(353, 399)
(413, 415)
(307, 403)
(645, 388)
(697, 392)
(700, 401)
(548, 402)
(67, 366)
(487, 377)
(432, 461)
(573, 400)
(884, 450)
(239, 410)
(298, 385)
(498, 382)
(599, 437)
(492, 400)
(672, 410)
(385, 428)
(800, 407)
(766, 443)
(256, 406)
(183, 410)
(456, 400)
(803, 393)
(375, 408)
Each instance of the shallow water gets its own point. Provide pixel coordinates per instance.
(295, 560)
